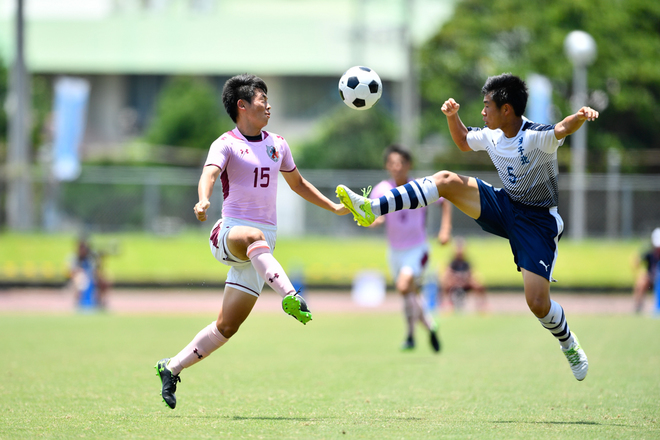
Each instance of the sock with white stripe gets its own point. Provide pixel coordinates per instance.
(555, 321)
(208, 340)
(414, 194)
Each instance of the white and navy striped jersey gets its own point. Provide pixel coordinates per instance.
(526, 163)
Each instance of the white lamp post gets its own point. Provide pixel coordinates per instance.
(580, 49)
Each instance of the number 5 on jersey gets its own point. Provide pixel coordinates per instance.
(512, 177)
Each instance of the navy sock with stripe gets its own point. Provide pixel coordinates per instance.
(414, 194)
(555, 322)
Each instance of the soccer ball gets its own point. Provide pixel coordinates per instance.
(360, 88)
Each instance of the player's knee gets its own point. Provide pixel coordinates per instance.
(404, 287)
(539, 306)
(444, 178)
(252, 235)
(227, 329)
(405, 282)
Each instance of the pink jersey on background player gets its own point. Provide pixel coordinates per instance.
(404, 229)
(249, 174)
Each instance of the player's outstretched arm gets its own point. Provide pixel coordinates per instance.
(572, 123)
(309, 192)
(204, 191)
(456, 127)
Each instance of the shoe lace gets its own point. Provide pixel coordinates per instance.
(366, 191)
(174, 379)
(573, 357)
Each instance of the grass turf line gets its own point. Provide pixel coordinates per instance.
(340, 377)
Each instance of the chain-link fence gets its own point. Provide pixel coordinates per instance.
(160, 200)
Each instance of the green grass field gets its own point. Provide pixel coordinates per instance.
(186, 258)
(341, 376)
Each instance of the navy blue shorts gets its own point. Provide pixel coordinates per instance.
(533, 233)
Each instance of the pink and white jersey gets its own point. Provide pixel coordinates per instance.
(249, 172)
(406, 228)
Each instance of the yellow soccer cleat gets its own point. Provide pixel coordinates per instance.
(360, 206)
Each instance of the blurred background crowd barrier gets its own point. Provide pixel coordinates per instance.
(160, 200)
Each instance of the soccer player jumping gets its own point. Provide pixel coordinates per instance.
(248, 160)
(524, 211)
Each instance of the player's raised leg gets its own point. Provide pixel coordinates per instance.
(551, 315)
(245, 242)
(462, 191)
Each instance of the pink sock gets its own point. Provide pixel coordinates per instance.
(206, 342)
(268, 268)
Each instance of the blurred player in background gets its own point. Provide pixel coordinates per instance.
(458, 279)
(646, 278)
(524, 211)
(247, 160)
(408, 250)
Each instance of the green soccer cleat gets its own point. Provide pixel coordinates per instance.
(168, 381)
(577, 359)
(360, 206)
(294, 305)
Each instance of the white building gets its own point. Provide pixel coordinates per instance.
(127, 48)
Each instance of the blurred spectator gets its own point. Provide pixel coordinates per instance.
(646, 278)
(87, 276)
(458, 280)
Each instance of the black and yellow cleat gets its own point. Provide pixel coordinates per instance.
(168, 381)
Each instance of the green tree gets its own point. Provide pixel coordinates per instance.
(489, 37)
(187, 115)
(350, 139)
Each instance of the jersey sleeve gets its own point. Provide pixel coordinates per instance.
(288, 164)
(545, 139)
(477, 138)
(219, 153)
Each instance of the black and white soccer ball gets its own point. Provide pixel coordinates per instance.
(360, 88)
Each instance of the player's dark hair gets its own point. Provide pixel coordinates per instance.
(507, 89)
(395, 148)
(240, 87)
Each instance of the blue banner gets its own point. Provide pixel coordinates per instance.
(539, 105)
(71, 96)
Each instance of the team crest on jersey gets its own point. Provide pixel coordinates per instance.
(273, 153)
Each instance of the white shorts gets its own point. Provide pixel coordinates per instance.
(412, 260)
(241, 275)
